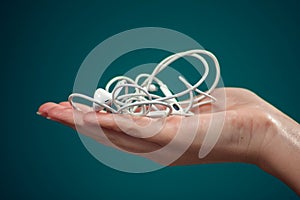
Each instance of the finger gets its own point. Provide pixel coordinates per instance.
(65, 115)
(66, 104)
(82, 107)
(159, 131)
(45, 107)
(94, 118)
(124, 142)
(62, 112)
(62, 115)
(128, 143)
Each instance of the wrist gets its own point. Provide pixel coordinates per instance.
(280, 149)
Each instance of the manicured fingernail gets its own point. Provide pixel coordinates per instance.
(48, 117)
(38, 113)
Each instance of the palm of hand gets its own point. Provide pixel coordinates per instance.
(244, 115)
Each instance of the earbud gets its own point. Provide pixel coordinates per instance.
(103, 97)
(152, 88)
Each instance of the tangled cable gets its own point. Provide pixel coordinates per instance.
(138, 96)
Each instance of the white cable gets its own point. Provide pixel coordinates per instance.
(161, 67)
(144, 97)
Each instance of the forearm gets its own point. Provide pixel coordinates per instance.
(281, 151)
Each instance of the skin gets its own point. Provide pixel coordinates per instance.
(254, 132)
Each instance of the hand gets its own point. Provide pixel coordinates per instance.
(253, 132)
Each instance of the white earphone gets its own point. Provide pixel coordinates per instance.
(134, 98)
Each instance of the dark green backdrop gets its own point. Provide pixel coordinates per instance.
(43, 44)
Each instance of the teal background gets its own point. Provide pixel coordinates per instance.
(43, 44)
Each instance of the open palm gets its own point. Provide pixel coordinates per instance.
(244, 115)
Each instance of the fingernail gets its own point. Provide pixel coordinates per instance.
(48, 117)
(38, 113)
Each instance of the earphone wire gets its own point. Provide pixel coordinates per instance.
(144, 96)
